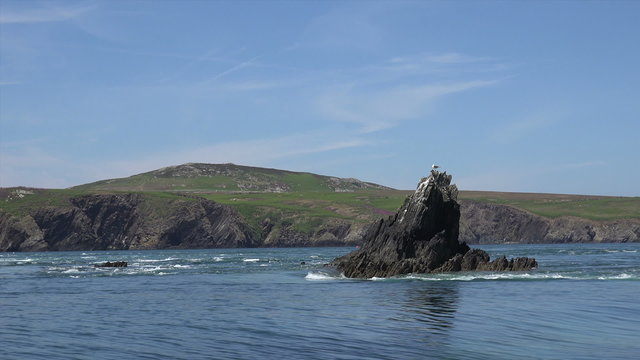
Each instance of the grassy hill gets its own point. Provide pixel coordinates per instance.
(303, 201)
(198, 177)
(598, 208)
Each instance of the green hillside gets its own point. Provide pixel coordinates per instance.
(197, 177)
(302, 200)
(599, 208)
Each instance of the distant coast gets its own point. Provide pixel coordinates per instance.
(227, 205)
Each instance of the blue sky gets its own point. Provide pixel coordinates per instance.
(532, 96)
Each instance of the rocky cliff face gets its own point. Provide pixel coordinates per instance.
(121, 222)
(483, 223)
(421, 237)
(136, 221)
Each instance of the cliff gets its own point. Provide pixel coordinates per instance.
(485, 223)
(142, 221)
(126, 221)
(422, 237)
(45, 220)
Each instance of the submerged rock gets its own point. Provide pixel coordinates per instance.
(422, 237)
(112, 264)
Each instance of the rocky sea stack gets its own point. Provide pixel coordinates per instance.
(422, 237)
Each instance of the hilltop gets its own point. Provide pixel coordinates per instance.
(200, 177)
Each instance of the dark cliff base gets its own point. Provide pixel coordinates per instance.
(127, 221)
(130, 221)
(485, 223)
(422, 237)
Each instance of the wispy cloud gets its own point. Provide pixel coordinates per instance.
(444, 58)
(251, 85)
(514, 130)
(257, 152)
(33, 166)
(380, 109)
(40, 15)
(27, 168)
(208, 56)
(233, 69)
(583, 164)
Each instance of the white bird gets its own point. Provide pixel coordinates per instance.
(434, 166)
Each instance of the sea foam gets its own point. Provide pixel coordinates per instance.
(322, 276)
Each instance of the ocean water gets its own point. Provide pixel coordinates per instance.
(583, 302)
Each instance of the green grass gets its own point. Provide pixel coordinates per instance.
(146, 182)
(224, 177)
(307, 209)
(21, 206)
(300, 182)
(599, 208)
(40, 198)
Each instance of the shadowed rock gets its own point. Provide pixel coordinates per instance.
(112, 264)
(422, 237)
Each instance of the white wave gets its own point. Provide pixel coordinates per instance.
(251, 260)
(71, 271)
(152, 269)
(314, 256)
(321, 276)
(622, 276)
(630, 251)
(24, 261)
(158, 260)
(178, 266)
(488, 276)
(218, 258)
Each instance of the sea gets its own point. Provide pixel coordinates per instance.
(582, 302)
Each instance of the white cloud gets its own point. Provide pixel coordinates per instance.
(376, 110)
(32, 166)
(584, 164)
(514, 130)
(233, 69)
(444, 58)
(37, 168)
(39, 15)
(251, 86)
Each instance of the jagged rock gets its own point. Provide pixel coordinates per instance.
(112, 264)
(422, 237)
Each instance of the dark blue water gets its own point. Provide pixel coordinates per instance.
(583, 302)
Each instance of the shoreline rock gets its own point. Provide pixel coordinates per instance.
(422, 237)
(112, 264)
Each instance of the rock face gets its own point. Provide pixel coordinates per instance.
(485, 223)
(422, 237)
(129, 221)
(123, 222)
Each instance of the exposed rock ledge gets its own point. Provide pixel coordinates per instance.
(422, 237)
